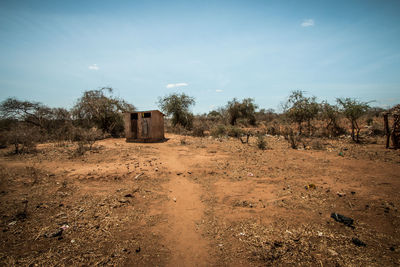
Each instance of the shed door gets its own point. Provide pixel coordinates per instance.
(146, 121)
(134, 125)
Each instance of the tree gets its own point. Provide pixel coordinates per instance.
(177, 106)
(330, 113)
(33, 113)
(97, 109)
(43, 119)
(353, 109)
(300, 108)
(242, 110)
(266, 115)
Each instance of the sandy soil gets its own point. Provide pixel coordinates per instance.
(201, 202)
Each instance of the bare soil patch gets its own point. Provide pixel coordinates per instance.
(201, 202)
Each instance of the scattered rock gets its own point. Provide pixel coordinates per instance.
(387, 209)
(341, 194)
(56, 233)
(174, 199)
(64, 227)
(343, 219)
(128, 195)
(358, 242)
(332, 252)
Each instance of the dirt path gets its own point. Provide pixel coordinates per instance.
(184, 211)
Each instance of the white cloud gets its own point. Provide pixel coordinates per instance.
(94, 67)
(173, 85)
(219, 90)
(307, 23)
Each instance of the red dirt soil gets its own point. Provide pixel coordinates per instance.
(200, 202)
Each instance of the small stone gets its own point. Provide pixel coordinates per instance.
(358, 242)
(341, 194)
(174, 199)
(332, 252)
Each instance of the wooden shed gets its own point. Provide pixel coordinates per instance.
(144, 126)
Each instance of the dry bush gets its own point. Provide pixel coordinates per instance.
(273, 130)
(376, 130)
(219, 131)
(183, 141)
(293, 139)
(316, 145)
(261, 143)
(199, 127)
(23, 137)
(233, 131)
(86, 138)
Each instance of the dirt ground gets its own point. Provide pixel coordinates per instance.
(201, 202)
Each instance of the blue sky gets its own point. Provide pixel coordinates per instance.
(51, 51)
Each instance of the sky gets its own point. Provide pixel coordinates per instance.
(52, 51)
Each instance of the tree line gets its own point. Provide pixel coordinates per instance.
(298, 109)
(98, 114)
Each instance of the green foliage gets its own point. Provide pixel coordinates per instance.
(97, 109)
(330, 114)
(177, 106)
(299, 108)
(353, 110)
(244, 110)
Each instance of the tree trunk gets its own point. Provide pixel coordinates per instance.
(357, 132)
(387, 129)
